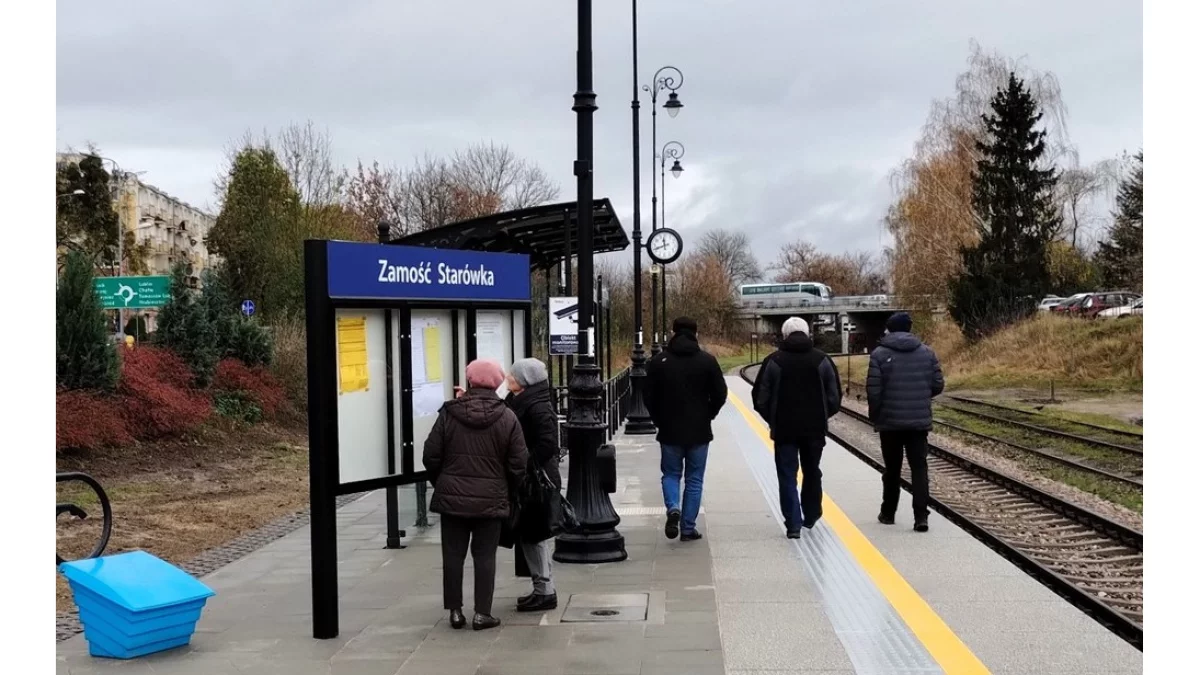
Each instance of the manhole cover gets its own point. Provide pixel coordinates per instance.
(606, 607)
(604, 612)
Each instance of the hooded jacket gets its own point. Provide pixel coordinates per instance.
(539, 426)
(902, 379)
(797, 390)
(684, 391)
(475, 456)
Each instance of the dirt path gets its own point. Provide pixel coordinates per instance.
(180, 498)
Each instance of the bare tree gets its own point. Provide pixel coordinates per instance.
(491, 169)
(306, 153)
(376, 193)
(847, 274)
(732, 250)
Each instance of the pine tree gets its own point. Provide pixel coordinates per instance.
(86, 357)
(239, 337)
(1007, 272)
(184, 328)
(1120, 255)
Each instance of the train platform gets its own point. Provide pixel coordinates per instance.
(851, 596)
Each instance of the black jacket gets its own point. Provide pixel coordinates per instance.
(539, 425)
(684, 391)
(902, 380)
(475, 456)
(797, 390)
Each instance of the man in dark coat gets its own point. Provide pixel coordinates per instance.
(796, 392)
(529, 399)
(684, 391)
(902, 380)
(476, 458)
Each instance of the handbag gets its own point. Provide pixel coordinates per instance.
(545, 511)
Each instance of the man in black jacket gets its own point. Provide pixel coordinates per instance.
(684, 391)
(902, 379)
(796, 392)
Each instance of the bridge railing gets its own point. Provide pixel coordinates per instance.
(836, 304)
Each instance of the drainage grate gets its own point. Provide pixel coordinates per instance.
(606, 607)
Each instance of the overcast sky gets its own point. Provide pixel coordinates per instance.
(795, 110)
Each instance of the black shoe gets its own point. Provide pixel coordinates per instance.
(690, 536)
(886, 519)
(793, 534)
(524, 600)
(457, 620)
(540, 603)
(810, 524)
(672, 529)
(484, 622)
(921, 525)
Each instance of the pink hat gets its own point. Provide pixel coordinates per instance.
(485, 374)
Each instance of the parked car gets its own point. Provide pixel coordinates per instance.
(1049, 302)
(1132, 309)
(1095, 303)
(1064, 307)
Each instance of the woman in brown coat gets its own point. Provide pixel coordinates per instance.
(476, 459)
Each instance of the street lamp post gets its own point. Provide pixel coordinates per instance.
(637, 419)
(596, 540)
(667, 78)
(674, 151)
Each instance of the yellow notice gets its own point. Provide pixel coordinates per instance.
(433, 353)
(352, 354)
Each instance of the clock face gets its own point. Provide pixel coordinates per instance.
(665, 246)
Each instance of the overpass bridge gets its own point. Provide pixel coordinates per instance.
(859, 319)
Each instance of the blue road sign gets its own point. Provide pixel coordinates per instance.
(248, 307)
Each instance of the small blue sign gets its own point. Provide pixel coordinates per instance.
(248, 307)
(378, 271)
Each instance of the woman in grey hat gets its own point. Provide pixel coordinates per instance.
(529, 398)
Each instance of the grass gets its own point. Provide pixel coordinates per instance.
(1055, 422)
(179, 498)
(1087, 355)
(733, 361)
(1111, 460)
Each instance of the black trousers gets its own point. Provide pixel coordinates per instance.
(896, 445)
(482, 536)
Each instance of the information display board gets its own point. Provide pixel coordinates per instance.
(564, 326)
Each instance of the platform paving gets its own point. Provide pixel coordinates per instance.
(744, 600)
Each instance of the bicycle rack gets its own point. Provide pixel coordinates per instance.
(77, 512)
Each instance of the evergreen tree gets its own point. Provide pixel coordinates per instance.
(260, 233)
(184, 328)
(1120, 255)
(86, 357)
(1006, 273)
(238, 336)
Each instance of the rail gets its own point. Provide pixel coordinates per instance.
(78, 512)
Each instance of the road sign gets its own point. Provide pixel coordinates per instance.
(133, 292)
(248, 308)
(564, 326)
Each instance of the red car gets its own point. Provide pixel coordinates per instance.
(1094, 303)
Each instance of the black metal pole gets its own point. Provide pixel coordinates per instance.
(549, 356)
(637, 420)
(656, 346)
(597, 539)
(322, 440)
(569, 289)
(662, 313)
(391, 498)
(598, 308)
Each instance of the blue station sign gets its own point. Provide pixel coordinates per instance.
(383, 272)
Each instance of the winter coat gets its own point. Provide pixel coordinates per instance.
(539, 426)
(797, 390)
(684, 390)
(902, 380)
(475, 456)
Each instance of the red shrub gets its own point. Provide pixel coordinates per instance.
(257, 383)
(86, 420)
(156, 388)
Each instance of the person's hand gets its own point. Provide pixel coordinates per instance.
(458, 391)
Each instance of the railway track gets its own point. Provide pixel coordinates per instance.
(1115, 468)
(1089, 560)
(1135, 435)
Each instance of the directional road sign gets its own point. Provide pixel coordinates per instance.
(133, 292)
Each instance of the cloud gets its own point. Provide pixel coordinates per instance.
(794, 111)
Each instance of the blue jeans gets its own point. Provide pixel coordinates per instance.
(803, 508)
(686, 463)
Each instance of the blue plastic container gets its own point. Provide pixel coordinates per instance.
(133, 604)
